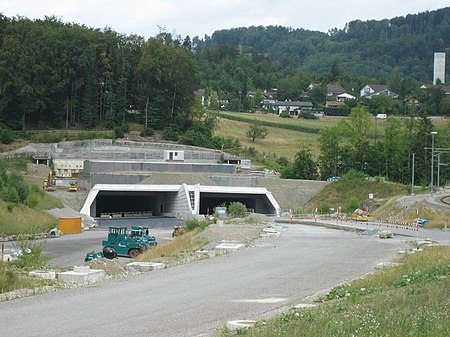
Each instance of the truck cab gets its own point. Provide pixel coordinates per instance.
(123, 244)
(141, 233)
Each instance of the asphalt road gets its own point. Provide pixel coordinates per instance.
(194, 299)
(70, 250)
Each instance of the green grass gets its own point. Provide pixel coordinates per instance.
(278, 143)
(351, 192)
(20, 219)
(412, 299)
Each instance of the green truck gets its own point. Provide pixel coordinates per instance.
(123, 244)
(141, 232)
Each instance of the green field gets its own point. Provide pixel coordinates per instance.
(283, 139)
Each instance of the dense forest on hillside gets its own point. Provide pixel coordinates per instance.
(55, 74)
(369, 48)
(67, 76)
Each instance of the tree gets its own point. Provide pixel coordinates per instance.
(303, 167)
(256, 131)
(336, 69)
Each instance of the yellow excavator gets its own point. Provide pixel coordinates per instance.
(47, 185)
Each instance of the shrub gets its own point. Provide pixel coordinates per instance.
(237, 209)
(6, 136)
(192, 224)
(32, 200)
(148, 132)
(32, 256)
(10, 194)
(307, 115)
(285, 114)
(20, 185)
(170, 133)
(118, 132)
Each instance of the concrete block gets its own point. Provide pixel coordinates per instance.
(146, 266)
(305, 305)
(240, 324)
(48, 275)
(91, 276)
(230, 246)
(81, 269)
(386, 234)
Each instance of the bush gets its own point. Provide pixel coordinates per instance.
(118, 132)
(170, 133)
(148, 132)
(285, 114)
(192, 224)
(17, 181)
(32, 256)
(32, 200)
(6, 136)
(10, 194)
(307, 115)
(237, 210)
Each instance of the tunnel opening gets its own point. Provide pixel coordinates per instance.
(124, 203)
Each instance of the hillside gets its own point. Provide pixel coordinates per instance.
(369, 48)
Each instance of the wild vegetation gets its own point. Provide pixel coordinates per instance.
(22, 204)
(411, 299)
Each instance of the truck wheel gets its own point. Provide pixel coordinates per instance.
(109, 252)
(133, 253)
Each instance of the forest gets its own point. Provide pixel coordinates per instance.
(69, 76)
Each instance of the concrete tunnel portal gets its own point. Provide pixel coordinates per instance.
(174, 200)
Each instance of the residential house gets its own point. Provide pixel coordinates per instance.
(344, 96)
(200, 93)
(334, 104)
(334, 89)
(270, 94)
(291, 107)
(371, 90)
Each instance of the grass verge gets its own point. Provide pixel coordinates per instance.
(176, 251)
(411, 299)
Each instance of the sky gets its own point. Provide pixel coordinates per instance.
(202, 17)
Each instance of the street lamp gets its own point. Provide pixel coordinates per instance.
(433, 133)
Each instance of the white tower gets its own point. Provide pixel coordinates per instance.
(439, 68)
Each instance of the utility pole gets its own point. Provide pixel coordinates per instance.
(412, 175)
(433, 133)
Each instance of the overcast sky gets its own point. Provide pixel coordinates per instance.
(200, 17)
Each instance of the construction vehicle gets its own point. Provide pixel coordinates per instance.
(122, 244)
(361, 214)
(47, 185)
(141, 232)
(73, 186)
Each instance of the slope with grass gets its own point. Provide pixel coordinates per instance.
(411, 299)
(352, 191)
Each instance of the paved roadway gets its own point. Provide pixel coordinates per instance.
(408, 232)
(194, 299)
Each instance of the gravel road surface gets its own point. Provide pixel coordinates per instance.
(196, 298)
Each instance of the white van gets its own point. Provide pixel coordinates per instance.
(381, 116)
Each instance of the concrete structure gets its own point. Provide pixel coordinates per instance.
(176, 155)
(439, 68)
(67, 168)
(81, 274)
(174, 200)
